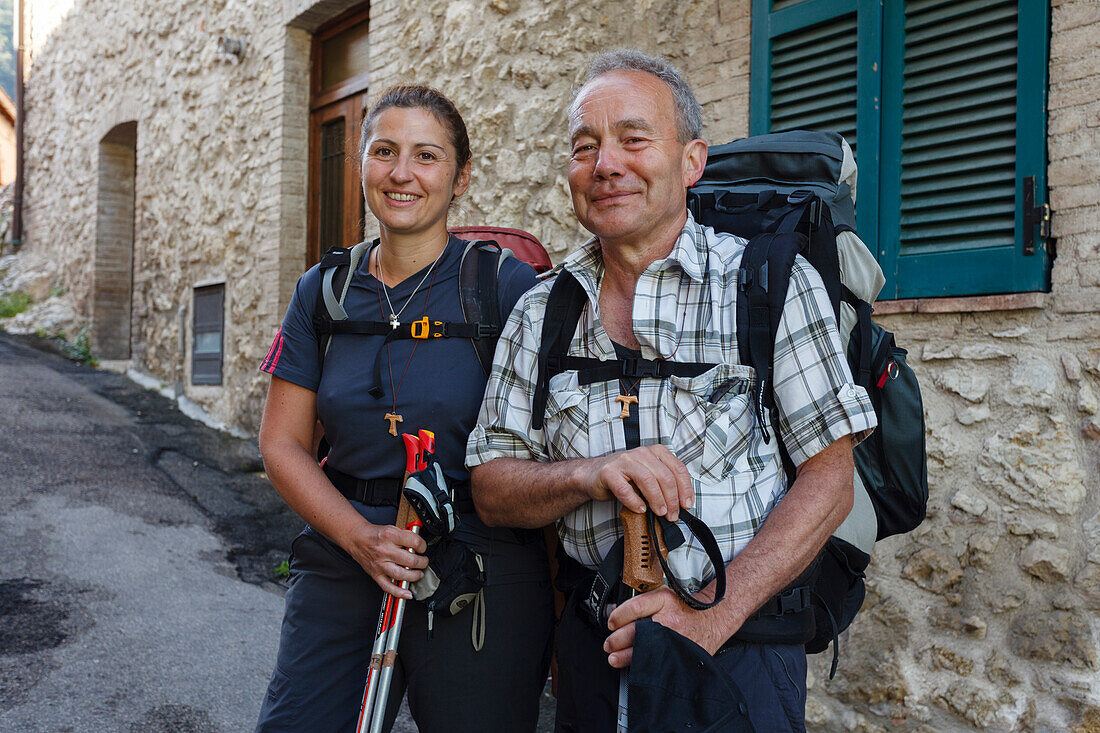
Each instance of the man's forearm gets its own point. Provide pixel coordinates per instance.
(517, 493)
(791, 537)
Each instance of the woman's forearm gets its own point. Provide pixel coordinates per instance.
(304, 487)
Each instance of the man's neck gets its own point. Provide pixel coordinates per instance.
(624, 262)
(626, 259)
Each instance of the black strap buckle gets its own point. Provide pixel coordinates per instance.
(744, 278)
(639, 368)
(486, 330)
(793, 600)
(813, 210)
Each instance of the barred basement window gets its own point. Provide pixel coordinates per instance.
(207, 329)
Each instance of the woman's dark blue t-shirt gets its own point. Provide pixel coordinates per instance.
(439, 383)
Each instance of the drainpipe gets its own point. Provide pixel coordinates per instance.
(181, 350)
(17, 195)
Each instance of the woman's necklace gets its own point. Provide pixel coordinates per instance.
(394, 416)
(395, 316)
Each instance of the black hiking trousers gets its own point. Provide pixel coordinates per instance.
(329, 626)
(770, 677)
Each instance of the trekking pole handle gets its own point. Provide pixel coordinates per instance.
(412, 454)
(427, 447)
(641, 569)
(643, 572)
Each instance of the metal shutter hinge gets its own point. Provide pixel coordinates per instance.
(1034, 216)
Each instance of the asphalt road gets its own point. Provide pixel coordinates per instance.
(137, 558)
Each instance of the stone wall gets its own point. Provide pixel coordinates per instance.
(511, 65)
(203, 136)
(985, 618)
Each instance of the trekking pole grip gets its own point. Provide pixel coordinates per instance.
(642, 570)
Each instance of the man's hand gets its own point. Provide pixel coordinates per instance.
(650, 475)
(664, 607)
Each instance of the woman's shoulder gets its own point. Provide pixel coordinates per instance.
(309, 284)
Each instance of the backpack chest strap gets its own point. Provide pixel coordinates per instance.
(425, 329)
(590, 370)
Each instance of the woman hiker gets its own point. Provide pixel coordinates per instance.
(415, 156)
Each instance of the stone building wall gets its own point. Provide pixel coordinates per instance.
(985, 618)
(202, 138)
(511, 66)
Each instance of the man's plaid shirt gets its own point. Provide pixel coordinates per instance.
(684, 310)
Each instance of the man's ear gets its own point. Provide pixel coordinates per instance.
(695, 160)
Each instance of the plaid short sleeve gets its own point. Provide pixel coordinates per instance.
(817, 398)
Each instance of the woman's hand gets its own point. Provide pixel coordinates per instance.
(382, 551)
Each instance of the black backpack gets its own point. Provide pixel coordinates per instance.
(477, 286)
(789, 194)
(330, 318)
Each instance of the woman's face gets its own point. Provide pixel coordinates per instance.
(410, 171)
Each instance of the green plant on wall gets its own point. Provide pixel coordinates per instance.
(13, 303)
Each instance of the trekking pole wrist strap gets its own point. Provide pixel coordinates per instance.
(714, 554)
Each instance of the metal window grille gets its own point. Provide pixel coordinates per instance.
(332, 184)
(207, 333)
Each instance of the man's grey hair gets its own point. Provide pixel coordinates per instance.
(689, 116)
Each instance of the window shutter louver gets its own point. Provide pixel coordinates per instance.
(813, 79)
(950, 107)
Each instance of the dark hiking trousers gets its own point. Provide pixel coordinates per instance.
(331, 617)
(771, 679)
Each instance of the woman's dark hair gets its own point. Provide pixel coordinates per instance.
(416, 96)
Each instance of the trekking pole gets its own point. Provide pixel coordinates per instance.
(372, 712)
(370, 689)
(642, 572)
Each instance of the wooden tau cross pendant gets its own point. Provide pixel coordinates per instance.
(394, 418)
(626, 400)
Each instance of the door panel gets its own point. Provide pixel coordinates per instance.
(339, 93)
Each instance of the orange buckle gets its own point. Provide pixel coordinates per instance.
(420, 328)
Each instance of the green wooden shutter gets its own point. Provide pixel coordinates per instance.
(958, 146)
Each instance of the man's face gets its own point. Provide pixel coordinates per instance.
(627, 171)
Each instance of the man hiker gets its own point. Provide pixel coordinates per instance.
(672, 425)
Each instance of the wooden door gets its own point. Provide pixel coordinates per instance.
(339, 91)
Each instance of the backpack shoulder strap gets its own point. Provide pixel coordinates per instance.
(478, 276)
(563, 311)
(763, 278)
(336, 267)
